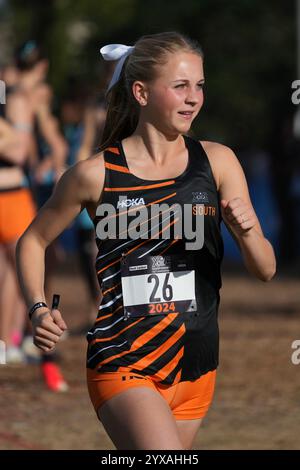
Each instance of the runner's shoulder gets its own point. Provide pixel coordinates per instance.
(88, 176)
(216, 150)
(220, 157)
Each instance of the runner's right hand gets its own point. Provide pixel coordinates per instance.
(48, 326)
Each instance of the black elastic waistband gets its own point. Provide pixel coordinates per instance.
(5, 163)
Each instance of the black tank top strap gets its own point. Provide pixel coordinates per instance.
(113, 156)
(2, 110)
(5, 163)
(117, 174)
(199, 157)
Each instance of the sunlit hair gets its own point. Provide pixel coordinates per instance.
(149, 54)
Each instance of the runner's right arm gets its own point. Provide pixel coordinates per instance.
(80, 186)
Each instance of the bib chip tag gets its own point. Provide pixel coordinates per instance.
(157, 285)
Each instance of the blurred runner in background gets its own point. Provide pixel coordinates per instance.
(28, 111)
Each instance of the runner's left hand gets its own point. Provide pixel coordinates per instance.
(239, 215)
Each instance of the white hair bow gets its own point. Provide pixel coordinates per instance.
(116, 52)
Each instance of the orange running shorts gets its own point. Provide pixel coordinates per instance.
(187, 400)
(17, 209)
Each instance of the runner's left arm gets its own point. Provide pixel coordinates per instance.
(239, 215)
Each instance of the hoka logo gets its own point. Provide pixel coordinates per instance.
(130, 202)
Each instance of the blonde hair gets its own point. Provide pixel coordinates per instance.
(149, 53)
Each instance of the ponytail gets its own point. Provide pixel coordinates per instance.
(122, 114)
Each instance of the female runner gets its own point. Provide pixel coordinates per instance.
(153, 351)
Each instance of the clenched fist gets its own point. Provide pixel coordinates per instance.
(48, 326)
(238, 215)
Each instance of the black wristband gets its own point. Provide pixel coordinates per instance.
(35, 307)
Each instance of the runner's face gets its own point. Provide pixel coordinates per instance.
(178, 89)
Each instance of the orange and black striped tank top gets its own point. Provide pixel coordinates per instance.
(169, 341)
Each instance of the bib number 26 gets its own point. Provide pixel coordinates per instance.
(161, 306)
(167, 290)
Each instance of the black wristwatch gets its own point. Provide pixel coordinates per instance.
(35, 307)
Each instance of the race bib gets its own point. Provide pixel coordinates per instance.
(157, 285)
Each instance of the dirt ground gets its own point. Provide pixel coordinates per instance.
(257, 399)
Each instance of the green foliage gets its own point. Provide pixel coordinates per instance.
(249, 46)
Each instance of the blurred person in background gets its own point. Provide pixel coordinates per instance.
(17, 206)
(27, 106)
(47, 163)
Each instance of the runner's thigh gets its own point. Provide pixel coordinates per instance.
(140, 418)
